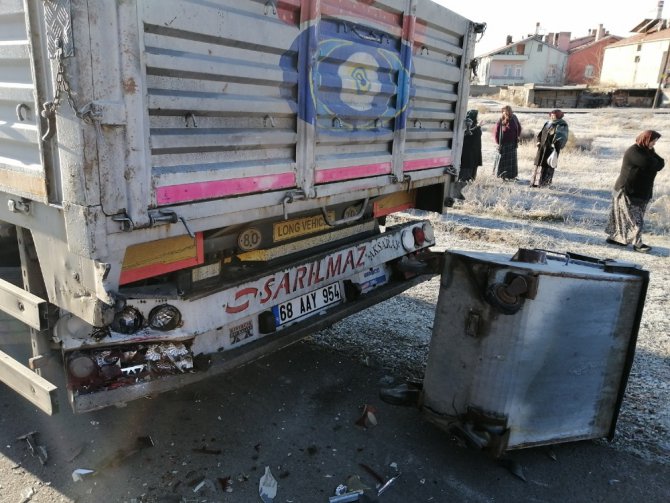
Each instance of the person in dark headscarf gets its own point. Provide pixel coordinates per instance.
(552, 138)
(506, 134)
(471, 156)
(632, 192)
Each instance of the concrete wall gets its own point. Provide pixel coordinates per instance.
(478, 90)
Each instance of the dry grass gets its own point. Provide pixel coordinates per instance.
(588, 168)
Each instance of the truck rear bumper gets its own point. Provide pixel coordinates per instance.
(239, 322)
(223, 362)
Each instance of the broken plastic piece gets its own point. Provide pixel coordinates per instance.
(203, 483)
(81, 473)
(346, 497)
(386, 485)
(368, 418)
(36, 450)
(267, 486)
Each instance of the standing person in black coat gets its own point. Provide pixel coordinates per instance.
(552, 138)
(632, 192)
(506, 134)
(471, 156)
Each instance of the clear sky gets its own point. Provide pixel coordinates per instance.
(518, 17)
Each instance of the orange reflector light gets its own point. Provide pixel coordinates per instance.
(419, 236)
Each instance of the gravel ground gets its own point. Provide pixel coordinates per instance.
(396, 333)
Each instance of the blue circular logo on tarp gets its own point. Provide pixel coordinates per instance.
(357, 81)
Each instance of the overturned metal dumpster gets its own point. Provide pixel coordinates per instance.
(532, 349)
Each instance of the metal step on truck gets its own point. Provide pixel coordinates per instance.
(188, 185)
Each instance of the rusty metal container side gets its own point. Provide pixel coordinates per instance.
(532, 353)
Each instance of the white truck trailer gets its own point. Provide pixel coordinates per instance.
(189, 184)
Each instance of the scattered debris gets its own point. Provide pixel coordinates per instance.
(382, 483)
(403, 394)
(368, 417)
(81, 473)
(267, 486)
(195, 481)
(36, 450)
(384, 487)
(375, 475)
(354, 483)
(114, 368)
(346, 497)
(205, 450)
(205, 482)
(551, 454)
(226, 484)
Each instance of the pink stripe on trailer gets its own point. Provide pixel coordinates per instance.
(431, 162)
(171, 194)
(349, 172)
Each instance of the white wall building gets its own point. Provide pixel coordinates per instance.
(536, 59)
(637, 61)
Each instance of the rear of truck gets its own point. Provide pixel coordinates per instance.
(190, 184)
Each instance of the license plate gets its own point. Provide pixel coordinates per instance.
(309, 303)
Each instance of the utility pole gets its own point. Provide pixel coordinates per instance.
(661, 79)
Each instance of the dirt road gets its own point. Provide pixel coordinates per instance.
(295, 412)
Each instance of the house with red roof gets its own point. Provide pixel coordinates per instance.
(585, 56)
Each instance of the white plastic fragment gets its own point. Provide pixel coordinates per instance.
(80, 473)
(267, 486)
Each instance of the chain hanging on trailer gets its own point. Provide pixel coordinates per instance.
(62, 89)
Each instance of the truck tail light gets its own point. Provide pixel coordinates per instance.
(164, 318)
(127, 321)
(408, 240)
(419, 236)
(81, 367)
(428, 232)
